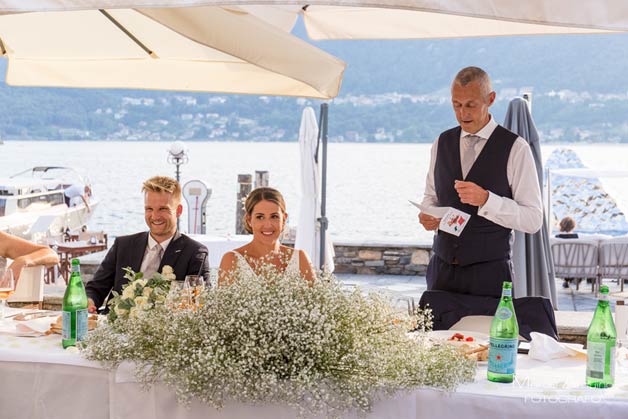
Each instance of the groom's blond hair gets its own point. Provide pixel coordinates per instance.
(163, 184)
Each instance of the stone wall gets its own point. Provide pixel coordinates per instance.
(382, 259)
(351, 257)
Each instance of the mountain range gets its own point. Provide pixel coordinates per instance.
(393, 91)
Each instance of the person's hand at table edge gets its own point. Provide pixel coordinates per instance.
(91, 307)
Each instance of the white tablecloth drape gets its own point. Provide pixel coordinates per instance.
(219, 245)
(38, 379)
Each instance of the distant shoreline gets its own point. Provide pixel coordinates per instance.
(543, 143)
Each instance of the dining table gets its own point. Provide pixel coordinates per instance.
(73, 249)
(39, 379)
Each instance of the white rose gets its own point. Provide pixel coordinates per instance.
(121, 311)
(140, 301)
(166, 270)
(171, 277)
(128, 292)
(133, 312)
(146, 291)
(139, 283)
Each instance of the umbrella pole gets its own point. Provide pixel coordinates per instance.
(549, 202)
(323, 218)
(127, 33)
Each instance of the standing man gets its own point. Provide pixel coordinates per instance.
(480, 168)
(148, 252)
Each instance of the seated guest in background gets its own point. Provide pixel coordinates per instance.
(24, 254)
(265, 216)
(566, 226)
(149, 251)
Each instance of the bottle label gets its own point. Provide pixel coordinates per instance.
(507, 292)
(596, 360)
(603, 297)
(503, 313)
(502, 355)
(79, 332)
(81, 324)
(66, 332)
(76, 268)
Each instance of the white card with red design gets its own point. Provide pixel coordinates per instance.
(454, 221)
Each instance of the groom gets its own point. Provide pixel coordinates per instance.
(148, 252)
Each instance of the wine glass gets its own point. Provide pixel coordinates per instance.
(195, 284)
(7, 287)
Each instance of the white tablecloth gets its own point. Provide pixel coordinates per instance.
(38, 379)
(219, 245)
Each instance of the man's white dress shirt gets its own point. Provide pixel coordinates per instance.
(151, 248)
(525, 211)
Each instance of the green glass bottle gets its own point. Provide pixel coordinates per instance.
(74, 309)
(601, 341)
(504, 338)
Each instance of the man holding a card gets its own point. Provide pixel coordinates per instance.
(482, 184)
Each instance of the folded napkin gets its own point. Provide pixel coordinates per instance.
(38, 327)
(545, 348)
(30, 328)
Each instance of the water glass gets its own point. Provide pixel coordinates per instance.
(7, 287)
(179, 295)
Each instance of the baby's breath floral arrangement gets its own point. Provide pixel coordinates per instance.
(140, 294)
(273, 337)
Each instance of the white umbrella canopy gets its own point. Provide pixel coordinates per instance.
(308, 228)
(397, 19)
(335, 22)
(187, 49)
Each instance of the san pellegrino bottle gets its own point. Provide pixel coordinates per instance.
(74, 314)
(601, 341)
(504, 338)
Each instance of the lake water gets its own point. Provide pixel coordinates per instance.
(368, 184)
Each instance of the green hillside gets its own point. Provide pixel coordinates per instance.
(392, 91)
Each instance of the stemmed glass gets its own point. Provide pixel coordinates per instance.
(195, 285)
(7, 287)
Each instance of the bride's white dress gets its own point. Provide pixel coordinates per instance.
(243, 265)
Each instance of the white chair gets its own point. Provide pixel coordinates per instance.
(575, 258)
(614, 259)
(30, 287)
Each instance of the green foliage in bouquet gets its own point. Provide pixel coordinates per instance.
(274, 337)
(140, 294)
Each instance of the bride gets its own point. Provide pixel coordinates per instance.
(265, 217)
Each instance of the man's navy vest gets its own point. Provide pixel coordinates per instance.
(481, 240)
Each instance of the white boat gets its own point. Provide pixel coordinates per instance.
(33, 202)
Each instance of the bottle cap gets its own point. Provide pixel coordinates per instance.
(507, 285)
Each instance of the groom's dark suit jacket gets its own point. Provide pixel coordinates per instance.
(183, 254)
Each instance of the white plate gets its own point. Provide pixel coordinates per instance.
(444, 335)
